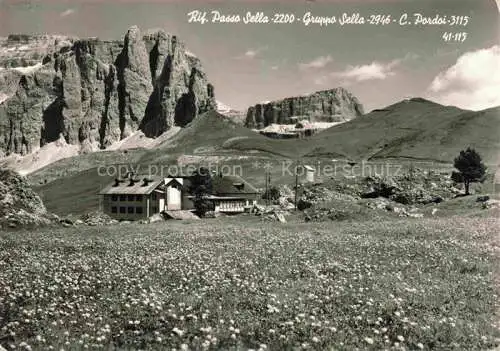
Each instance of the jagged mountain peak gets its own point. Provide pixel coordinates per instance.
(96, 92)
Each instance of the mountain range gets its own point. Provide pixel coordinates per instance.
(412, 129)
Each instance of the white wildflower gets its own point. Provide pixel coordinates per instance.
(369, 340)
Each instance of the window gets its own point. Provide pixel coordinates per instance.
(123, 198)
(138, 210)
(155, 209)
(131, 198)
(138, 198)
(114, 209)
(114, 197)
(122, 209)
(130, 210)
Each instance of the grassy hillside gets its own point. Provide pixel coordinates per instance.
(417, 129)
(480, 130)
(73, 165)
(74, 194)
(213, 133)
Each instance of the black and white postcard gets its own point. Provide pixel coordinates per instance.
(249, 175)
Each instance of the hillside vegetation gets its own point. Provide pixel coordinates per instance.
(213, 133)
(417, 129)
(241, 284)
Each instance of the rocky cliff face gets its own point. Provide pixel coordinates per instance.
(336, 105)
(95, 92)
(21, 50)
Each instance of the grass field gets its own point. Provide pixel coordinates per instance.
(239, 283)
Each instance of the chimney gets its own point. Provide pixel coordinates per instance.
(239, 186)
(129, 175)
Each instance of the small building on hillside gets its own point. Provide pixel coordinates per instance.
(233, 194)
(136, 197)
(298, 129)
(140, 197)
(310, 172)
(133, 198)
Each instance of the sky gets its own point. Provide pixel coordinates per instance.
(251, 63)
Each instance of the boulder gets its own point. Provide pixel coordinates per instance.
(214, 214)
(370, 193)
(156, 218)
(380, 187)
(482, 198)
(416, 215)
(379, 203)
(303, 204)
(429, 199)
(491, 204)
(257, 209)
(97, 219)
(401, 211)
(53, 218)
(280, 217)
(66, 222)
(19, 204)
(388, 187)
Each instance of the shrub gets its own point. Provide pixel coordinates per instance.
(273, 193)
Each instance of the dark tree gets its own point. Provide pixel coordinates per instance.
(456, 177)
(273, 193)
(470, 168)
(200, 188)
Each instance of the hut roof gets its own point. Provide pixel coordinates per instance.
(231, 185)
(138, 185)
